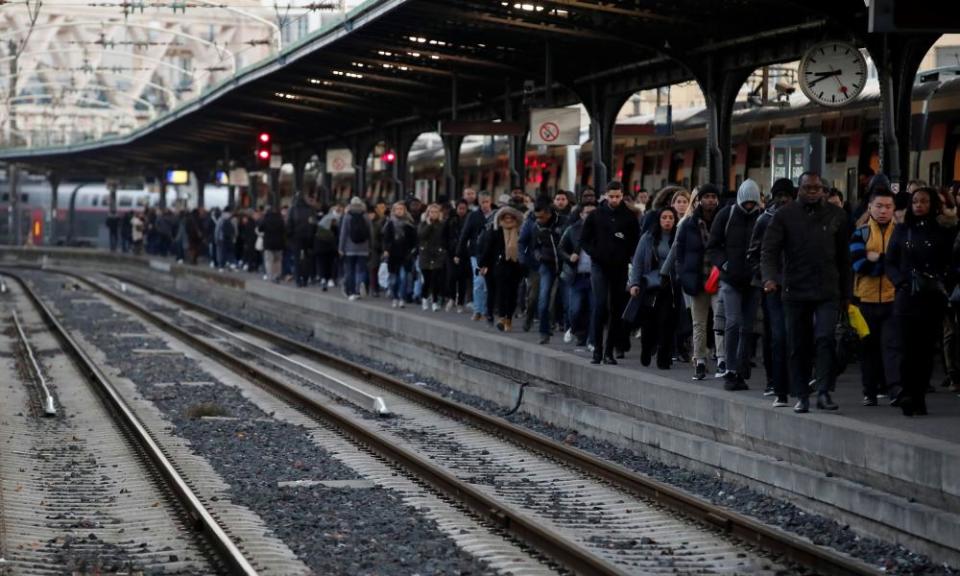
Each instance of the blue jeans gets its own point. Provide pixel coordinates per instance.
(775, 341)
(479, 289)
(740, 308)
(548, 276)
(224, 253)
(355, 273)
(398, 284)
(810, 343)
(579, 311)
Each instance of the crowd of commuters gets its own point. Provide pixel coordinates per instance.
(697, 278)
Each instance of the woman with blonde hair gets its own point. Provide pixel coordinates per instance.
(501, 258)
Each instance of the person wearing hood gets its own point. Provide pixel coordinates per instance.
(501, 259)
(399, 240)
(806, 258)
(918, 262)
(355, 247)
(727, 248)
(610, 235)
(774, 327)
(693, 269)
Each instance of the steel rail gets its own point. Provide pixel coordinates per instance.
(49, 407)
(772, 539)
(227, 551)
(553, 545)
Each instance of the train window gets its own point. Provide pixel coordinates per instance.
(5, 197)
(95, 201)
(755, 156)
(24, 198)
(648, 165)
(934, 179)
(125, 202)
(841, 152)
(828, 154)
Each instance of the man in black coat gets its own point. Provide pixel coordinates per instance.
(727, 250)
(805, 245)
(610, 236)
(469, 248)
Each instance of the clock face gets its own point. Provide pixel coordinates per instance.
(833, 73)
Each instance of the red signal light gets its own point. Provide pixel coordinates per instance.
(264, 137)
(263, 154)
(389, 157)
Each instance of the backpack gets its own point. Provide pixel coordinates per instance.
(359, 230)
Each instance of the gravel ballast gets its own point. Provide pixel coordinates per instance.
(333, 530)
(891, 558)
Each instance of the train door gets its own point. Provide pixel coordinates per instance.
(950, 170)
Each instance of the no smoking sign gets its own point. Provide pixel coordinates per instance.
(549, 131)
(554, 126)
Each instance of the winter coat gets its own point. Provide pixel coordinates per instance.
(546, 239)
(729, 240)
(399, 242)
(569, 245)
(610, 237)
(756, 247)
(273, 230)
(527, 234)
(646, 260)
(347, 246)
(452, 229)
(808, 244)
(473, 227)
(301, 222)
(690, 249)
(433, 254)
(918, 262)
(870, 281)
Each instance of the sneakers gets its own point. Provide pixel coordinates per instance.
(435, 307)
(733, 382)
(591, 347)
(824, 402)
(395, 303)
(721, 369)
(363, 290)
(476, 316)
(424, 303)
(802, 406)
(568, 336)
(769, 391)
(331, 283)
(449, 305)
(700, 371)
(401, 303)
(459, 309)
(869, 400)
(781, 402)
(353, 297)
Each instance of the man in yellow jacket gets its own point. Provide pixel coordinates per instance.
(874, 294)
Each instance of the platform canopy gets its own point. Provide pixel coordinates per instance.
(400, 64)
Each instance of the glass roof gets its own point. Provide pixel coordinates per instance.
(78, 70)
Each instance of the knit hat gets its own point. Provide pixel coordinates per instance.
(708, 189)
(357, 201)
(783, 187)
(748, 192)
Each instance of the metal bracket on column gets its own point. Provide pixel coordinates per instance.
(451, 165)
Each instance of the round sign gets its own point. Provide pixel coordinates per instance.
(338, 163)
(549, 131)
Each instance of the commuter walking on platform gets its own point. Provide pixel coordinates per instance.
(546, 238)
(458, 270)
(660, 300)
(113, 227)
(274, 240)
(301, 229)
(918, 261)
(874, 294)
(136, 233)
(610, 236)
(433, 255)
(399, 242)
(326, 244)
(730, 236)
(470, 249)
(774, 325)
(501, 259)
(355, 247)
(806, 245)
(576, 270)
(693, 269)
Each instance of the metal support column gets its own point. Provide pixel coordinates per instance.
(517, 144)
(451, 166)
(720, 89)
(162, 183)
(201, 187)
(13, 177)
(602, 110)
(231, 196)
(112, 190)
(361, 150)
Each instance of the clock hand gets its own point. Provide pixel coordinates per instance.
(824, 76)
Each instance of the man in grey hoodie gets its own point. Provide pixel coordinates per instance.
(727, 249)
(355, 234)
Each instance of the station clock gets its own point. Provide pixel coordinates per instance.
(833, 73)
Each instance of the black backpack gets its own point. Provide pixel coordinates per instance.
(359, 230)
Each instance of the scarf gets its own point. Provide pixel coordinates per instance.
(511, 243)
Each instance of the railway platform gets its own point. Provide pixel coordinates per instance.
(896, 477)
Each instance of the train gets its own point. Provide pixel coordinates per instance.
(644, 159)
(90, 207)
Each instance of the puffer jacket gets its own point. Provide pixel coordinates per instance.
(570, 245)
(399, 242)
(433, 253)
(610, 237)
(690, 249)
(919, 250)
(546, 241)
(807, 243)
(729, 241)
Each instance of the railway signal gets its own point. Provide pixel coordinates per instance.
(263, 151)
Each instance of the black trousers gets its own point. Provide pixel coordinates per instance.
(609, 299)
(880, 367)
(921, 324)
(458, 281)
(305, 261)
(810, 344)
(659, 326)
(507, 277)
(432, 284)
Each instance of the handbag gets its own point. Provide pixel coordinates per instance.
(651, 280)
(712, 285)
(258, 244)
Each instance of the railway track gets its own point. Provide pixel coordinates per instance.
(589, 515)
(87, 489)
